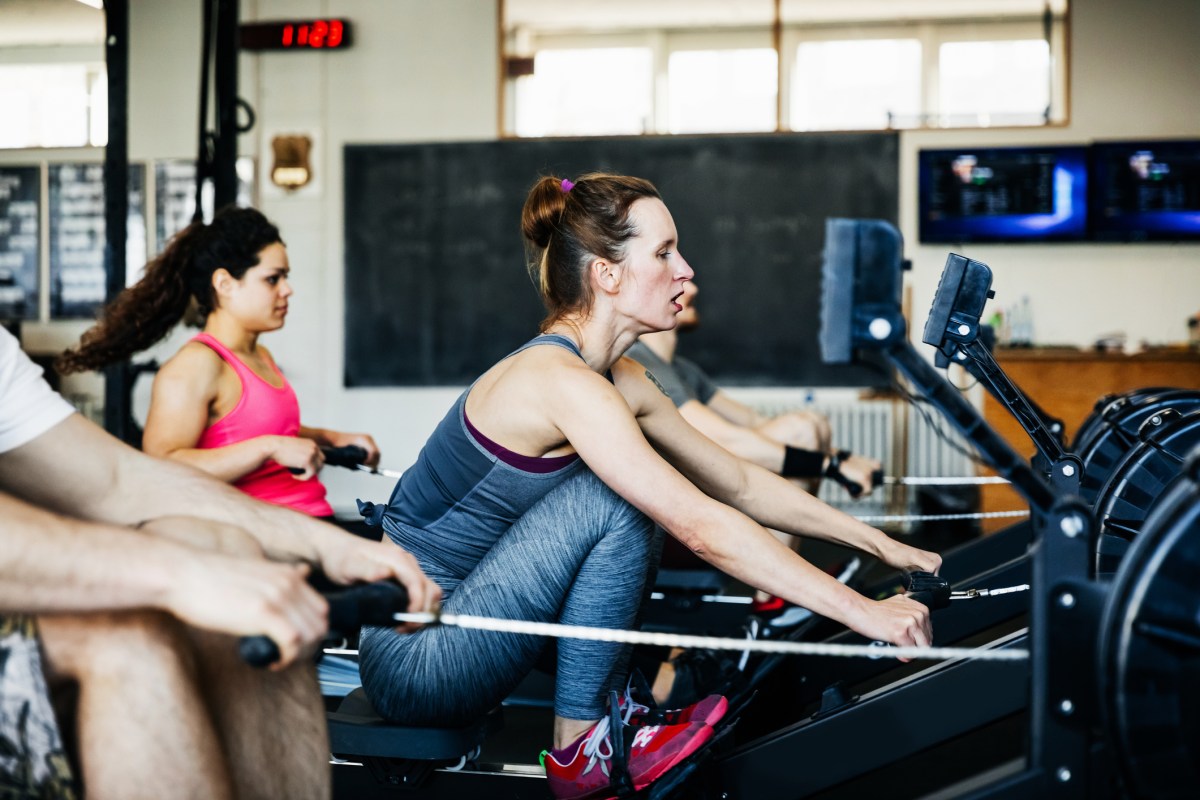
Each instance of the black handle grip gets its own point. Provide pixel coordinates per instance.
(258, 651)
(853, 487)
(349, 456)
(877, 479)
(925, 587)
(349, 610)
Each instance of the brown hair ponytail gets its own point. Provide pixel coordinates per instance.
(566, 225)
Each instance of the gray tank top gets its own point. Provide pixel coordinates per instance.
(465, 491)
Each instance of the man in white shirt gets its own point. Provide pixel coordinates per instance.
(129, 578)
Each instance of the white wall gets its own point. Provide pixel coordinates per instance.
(425, 70)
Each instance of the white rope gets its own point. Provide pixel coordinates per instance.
(709, 642)
(982, 480)
(1024, 587)
(938, 517)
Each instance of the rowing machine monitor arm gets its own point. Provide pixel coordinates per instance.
(954, 327)
(861, 311)
(987, 335)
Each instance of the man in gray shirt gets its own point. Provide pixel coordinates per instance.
(796, 444)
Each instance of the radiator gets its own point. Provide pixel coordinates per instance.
(895, 433)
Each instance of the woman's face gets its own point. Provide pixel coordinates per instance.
(654, 272)
(260, 299)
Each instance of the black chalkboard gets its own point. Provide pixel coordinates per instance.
(436, 289)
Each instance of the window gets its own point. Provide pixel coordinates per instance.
(1005, 82)
(726, 91)
(53, 105)
(856, 84)
(717, 66)
(602, 90)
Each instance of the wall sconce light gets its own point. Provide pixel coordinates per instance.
(291, 169)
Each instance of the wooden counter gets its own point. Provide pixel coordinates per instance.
(1067, 383)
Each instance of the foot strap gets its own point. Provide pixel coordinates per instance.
(618, 777)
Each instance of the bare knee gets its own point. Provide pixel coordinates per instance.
(129, 644)
(802, 429)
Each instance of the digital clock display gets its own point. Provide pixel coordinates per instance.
(307, 34)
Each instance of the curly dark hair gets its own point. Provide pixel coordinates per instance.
(182, 274)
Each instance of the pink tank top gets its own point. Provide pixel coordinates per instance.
(263, 410)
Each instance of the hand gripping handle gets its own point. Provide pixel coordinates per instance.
(349, 609)
(349, 456)
(927, 588)
(834, 470)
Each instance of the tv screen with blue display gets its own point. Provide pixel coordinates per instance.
(1144, 191)
(1003, 194)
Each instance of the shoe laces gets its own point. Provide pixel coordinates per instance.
(752, 630)
(593, 747)
(632, 706)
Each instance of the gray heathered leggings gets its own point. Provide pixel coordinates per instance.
(580, 556)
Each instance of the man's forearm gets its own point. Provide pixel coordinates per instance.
(176, 489)
(78, 470)
(50, 563)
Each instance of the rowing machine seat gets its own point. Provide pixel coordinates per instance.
(356, 729)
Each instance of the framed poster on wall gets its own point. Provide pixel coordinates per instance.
(77, 229)
(20, 241)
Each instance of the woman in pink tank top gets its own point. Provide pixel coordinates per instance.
(221, 404)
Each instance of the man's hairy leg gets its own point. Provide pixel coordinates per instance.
(271, 723)
(142, 726)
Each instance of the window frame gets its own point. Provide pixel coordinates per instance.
(89, 57)
(931, 34)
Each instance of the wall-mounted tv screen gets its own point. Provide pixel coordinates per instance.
(1144, 191)
(1003, 194)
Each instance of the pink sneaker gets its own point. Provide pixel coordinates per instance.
(710, 710)
(580, 771)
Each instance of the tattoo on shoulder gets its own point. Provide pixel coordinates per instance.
(654, 380)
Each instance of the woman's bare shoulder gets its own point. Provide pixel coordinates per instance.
(195, 364)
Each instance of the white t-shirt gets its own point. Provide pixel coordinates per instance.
(28, 406)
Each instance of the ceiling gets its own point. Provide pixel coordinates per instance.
(41, 23)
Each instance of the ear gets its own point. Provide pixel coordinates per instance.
(223, 282)
(606, 275)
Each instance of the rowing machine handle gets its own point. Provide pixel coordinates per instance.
(349, 610)
(349, 457)
(853, 487)
(931, 590)
(834, 470)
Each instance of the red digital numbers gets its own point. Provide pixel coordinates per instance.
(318, 34)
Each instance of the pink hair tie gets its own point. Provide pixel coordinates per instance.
(567, 186)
